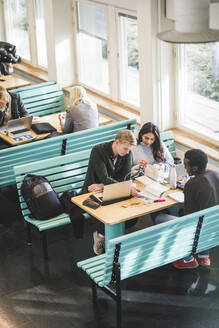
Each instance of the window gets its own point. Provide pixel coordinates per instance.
(17, 31)
(24, 22)
(92, 46)
(199, 88)
(129, 64)
(107, 51)
(40, 33)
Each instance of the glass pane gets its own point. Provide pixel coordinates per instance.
(40, 33)
(92, 47)
(17, 27)
(129, 59)
(200, 80)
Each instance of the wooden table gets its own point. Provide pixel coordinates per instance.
(13, 81)
(52, 119)
(114, 216)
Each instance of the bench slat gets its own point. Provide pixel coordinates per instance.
(91, 260)
(34, 86)
(42, 99)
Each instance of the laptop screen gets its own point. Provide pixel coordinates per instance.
(117, 190)
(20, 125)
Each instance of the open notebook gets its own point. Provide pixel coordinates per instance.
(153, 190)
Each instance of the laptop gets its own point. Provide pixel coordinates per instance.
(19, 127)
(180, 171)
(113, 193)
(182, 176)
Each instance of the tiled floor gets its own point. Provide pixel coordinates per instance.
(55, 294)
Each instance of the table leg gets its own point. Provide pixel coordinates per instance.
(113, 231)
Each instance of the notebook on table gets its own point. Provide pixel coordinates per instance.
(113, 193)
(153, 190)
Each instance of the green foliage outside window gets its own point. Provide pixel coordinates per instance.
(203, 69)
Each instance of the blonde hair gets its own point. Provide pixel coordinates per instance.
(78, 94)
(126, 136)
(2, 91)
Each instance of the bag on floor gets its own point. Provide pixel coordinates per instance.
(41, 199)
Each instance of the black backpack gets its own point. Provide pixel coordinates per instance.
(40, 197)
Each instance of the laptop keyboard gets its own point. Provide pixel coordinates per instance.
(19, 131)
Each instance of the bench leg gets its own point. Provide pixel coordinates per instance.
(45, 247)
(119, 313)
(28, 233)
(94, 294)
(118, 305)
(113, 231)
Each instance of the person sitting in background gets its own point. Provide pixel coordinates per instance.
(150, 149)
(82, 113)
(201, 191)
(11, 106)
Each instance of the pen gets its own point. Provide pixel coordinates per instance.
(159, 200)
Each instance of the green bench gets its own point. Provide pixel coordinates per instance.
(61, 145)
(42, 99)
(167, 138)
(64, 173)
(150, 248)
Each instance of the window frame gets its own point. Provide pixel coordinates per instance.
(31, 30)
(77, 54)
(133, 14)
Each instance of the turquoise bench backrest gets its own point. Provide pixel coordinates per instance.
(53, 147)
(167, 138)
(63, 172)
(162, 244)
(82, 140)
(42, 99)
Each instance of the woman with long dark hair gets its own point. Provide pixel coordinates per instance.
(150, 149)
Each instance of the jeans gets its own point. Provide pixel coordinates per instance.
(163, 217)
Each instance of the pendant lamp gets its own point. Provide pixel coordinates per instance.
(191, 23)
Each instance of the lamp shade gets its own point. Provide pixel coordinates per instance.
(191, 23)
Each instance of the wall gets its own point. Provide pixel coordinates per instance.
(166, 77)
(59, 27)
(1, 22)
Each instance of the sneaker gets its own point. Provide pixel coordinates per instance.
(99, 243)
(203, 260)
(182, 264)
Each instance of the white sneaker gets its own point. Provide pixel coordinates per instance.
(99, 243)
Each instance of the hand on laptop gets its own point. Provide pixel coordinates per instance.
(136, 192)
(96, 187)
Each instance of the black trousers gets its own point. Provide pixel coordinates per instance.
(77, 221)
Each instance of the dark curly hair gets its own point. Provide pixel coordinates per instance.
(197, 158)
(157, 148)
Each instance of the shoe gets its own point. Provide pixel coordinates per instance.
(99, 243)
(182, 264)
(203, 261)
